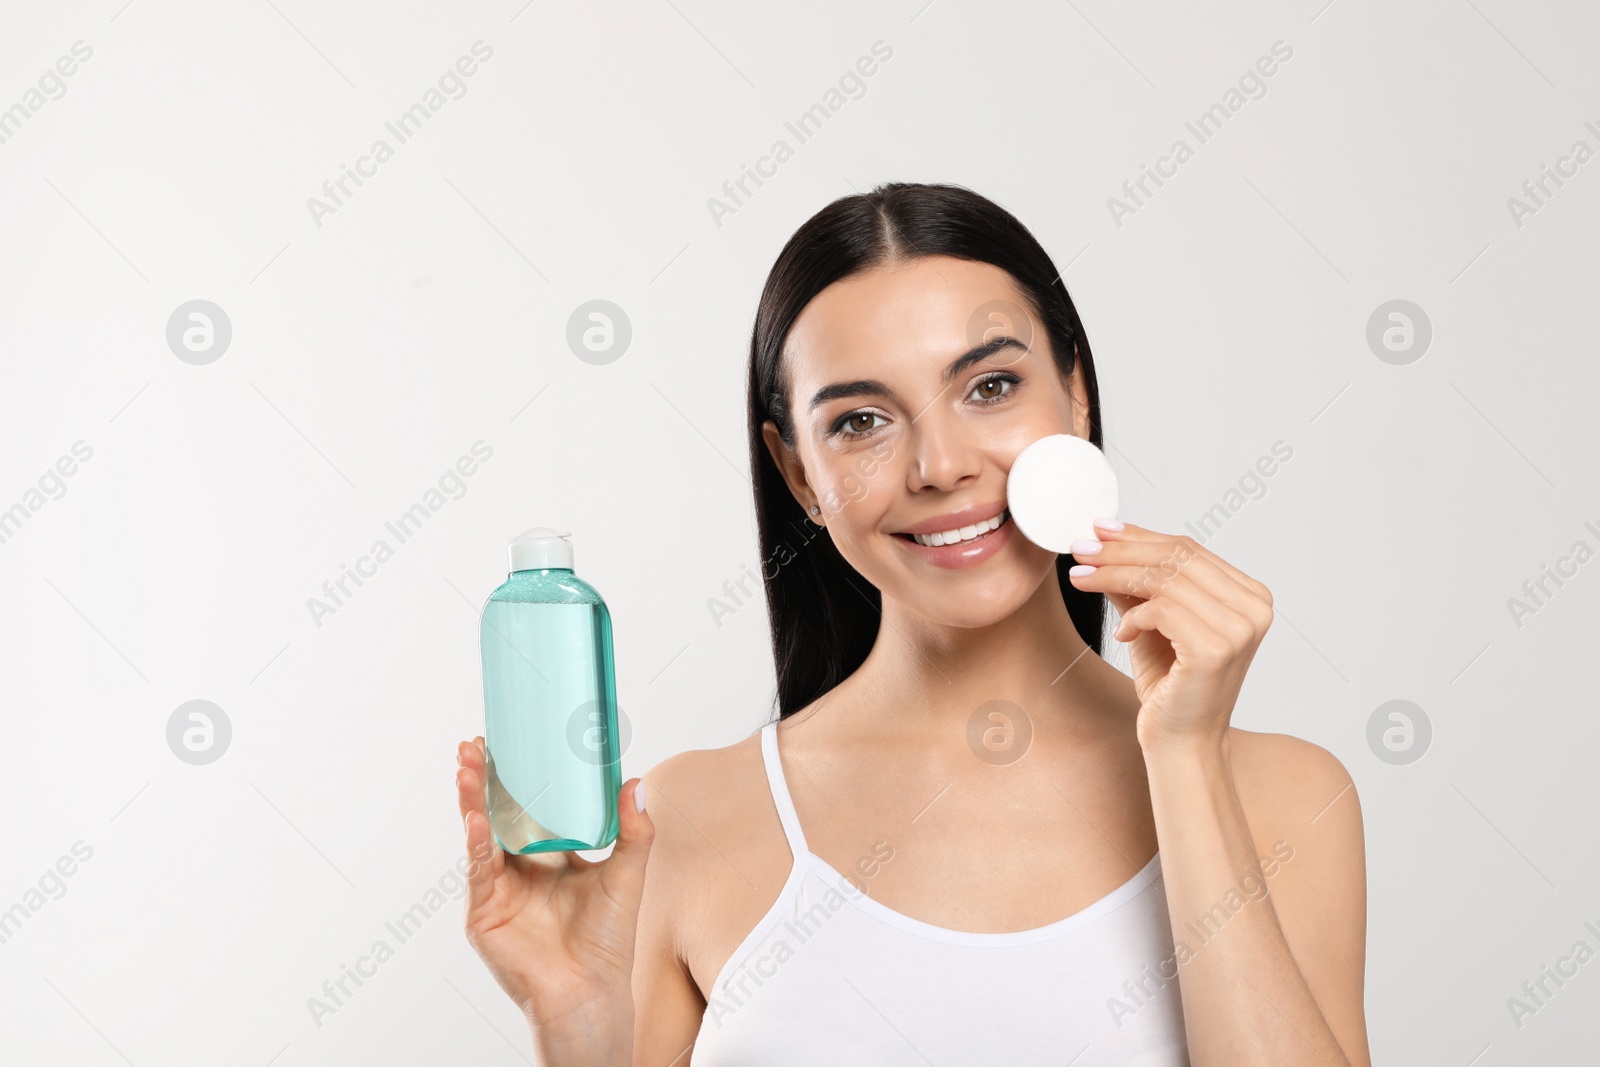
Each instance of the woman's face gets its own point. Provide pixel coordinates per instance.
(912, 387)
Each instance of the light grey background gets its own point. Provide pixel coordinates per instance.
(430, 311)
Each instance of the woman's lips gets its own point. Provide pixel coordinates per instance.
(964, 554)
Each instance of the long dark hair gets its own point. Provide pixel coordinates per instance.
(824, 614)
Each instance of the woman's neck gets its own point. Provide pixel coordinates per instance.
(921, 673)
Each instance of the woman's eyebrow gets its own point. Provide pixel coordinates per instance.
(873, 387)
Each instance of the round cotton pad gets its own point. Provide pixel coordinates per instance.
(1058, 486)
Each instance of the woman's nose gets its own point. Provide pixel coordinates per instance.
(944, 458)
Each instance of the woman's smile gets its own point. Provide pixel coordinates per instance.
(961, 538)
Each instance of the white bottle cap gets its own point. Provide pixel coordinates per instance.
(1056, 489)
(539, 548)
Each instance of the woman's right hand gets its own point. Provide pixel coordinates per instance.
(557, 930)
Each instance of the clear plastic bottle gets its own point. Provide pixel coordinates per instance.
(549, 703)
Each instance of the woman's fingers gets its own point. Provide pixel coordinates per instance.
(470, 779)
(1189, 635)
(484, 861)
(1132, 533)
(469, 792)
(1147, 565)
(1213, 597)
(1188, 594)
(624, 868)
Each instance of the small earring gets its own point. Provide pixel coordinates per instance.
(815, 510)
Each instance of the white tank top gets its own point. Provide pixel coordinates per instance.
(831, 976)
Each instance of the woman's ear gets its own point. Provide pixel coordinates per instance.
(788, 464)
(1078, 397)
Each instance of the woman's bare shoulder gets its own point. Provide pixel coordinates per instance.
(707, 801)
(717, 836)
(698, 802)
(1301, 804)
(1287, 782)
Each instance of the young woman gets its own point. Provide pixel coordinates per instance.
(967, 838)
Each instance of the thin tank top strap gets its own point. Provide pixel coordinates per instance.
(780, 792)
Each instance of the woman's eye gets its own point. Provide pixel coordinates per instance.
(858, 423)
(988, 390)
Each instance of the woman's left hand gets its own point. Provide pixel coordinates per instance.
(1193, 621)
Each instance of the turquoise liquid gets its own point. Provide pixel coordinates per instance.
(550, 714)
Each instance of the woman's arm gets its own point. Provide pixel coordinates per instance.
(1251, 994)
(1270, 927)
(668, 1006)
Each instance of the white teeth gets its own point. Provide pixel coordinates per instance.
(965, 533)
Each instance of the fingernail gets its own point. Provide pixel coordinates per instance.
(1080, 570)
(1085, 548)
(1108, 524)
(638, 797)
